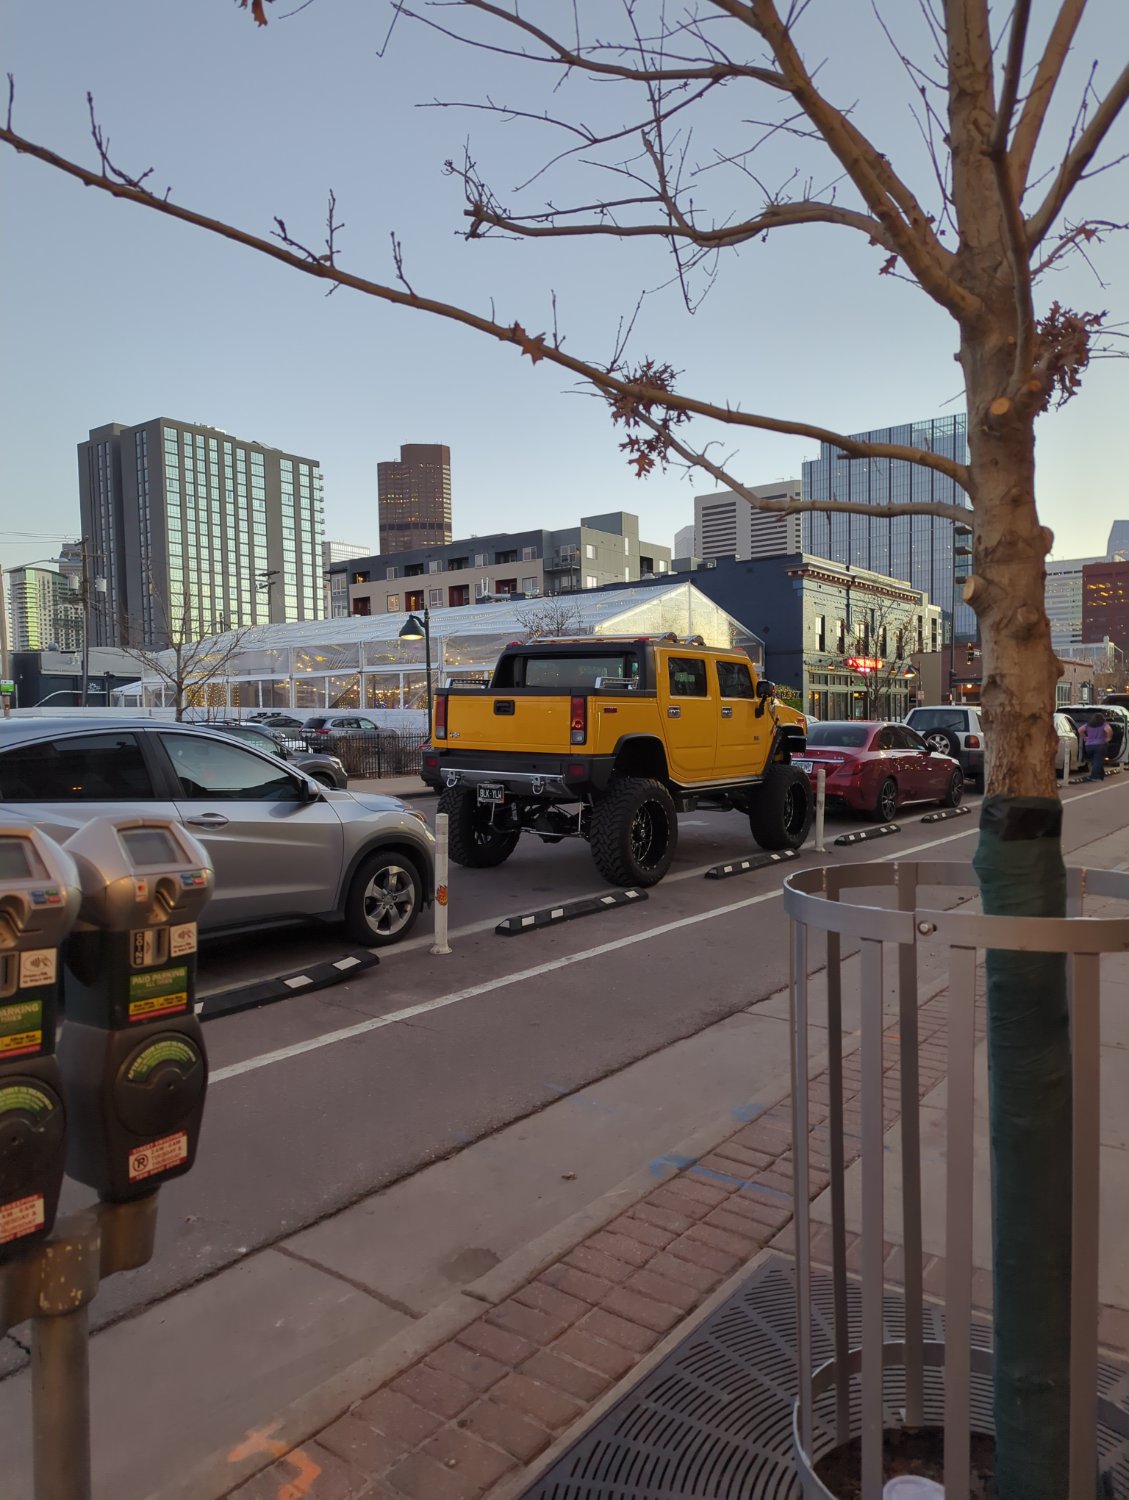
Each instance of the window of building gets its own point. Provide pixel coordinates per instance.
(436, 597)
(458, 594)
(528, 554)
(457, 564)
(413, 599)
(821, 632)
(505, 557)
(435, 566)
(506, 586)
(662, 565)
(529, 585)
(627, 546)
(480, 560)
(687, 677)
(591, 581)
(390, 572)
(590, 551)
(362, 606)
(840, 635)
(413, 570)
(392, 604)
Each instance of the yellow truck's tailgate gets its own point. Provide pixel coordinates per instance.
(536, 724)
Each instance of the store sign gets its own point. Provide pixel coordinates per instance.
(865, 663)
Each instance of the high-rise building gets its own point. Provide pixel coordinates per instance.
(45, 611)
(1105, 602)
(1062, 598)
(918, 548)
(1117, 548)
(336, 585)
(195, 531)
(414, 497)
(684, 542)
(728, 525)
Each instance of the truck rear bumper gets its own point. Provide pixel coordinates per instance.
(543, 777)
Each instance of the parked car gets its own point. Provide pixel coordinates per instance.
(1069, 756)
(327, 770)
(876, 768)
(283, 847)
(323, 729)
(953, 729)
(1117, 717)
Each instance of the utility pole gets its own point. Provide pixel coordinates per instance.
(85, 618)
(5, 658)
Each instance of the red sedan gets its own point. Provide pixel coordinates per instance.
(875, 768)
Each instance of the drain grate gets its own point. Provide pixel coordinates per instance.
(713, 1421)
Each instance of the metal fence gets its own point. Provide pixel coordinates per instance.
(388, 752)
(894, 1374)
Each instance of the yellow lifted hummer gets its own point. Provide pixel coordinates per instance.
(608, 738)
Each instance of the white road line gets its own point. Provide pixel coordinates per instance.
(472, 992)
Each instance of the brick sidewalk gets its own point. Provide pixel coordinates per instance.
(463, 1422)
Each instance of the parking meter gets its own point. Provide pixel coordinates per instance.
(132, 1052)
(39, 900)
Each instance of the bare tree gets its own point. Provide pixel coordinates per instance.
(548, 617)
(192, 667)
(977, 234)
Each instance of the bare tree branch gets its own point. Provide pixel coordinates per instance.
(1011, 196)
(1078, 159)
(601, 378)
(1038, 99)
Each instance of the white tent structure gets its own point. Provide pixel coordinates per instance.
(361, 662)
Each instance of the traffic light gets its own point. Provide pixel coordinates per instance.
(970, 653)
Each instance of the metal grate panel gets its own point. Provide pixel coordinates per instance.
(713, 1421)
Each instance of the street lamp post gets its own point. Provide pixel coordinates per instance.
(413, 629)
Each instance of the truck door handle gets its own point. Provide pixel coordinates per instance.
(674, 713)
(207, 820)
(726, 713)
(504, 706)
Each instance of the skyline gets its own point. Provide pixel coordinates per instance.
(101, 296)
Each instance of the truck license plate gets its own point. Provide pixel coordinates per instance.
(491, 791)
(802, 765)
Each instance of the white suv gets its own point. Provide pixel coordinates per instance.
(955, 730)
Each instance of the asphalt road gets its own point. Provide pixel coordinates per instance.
(321, 1099)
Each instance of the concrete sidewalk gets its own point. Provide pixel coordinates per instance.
(528, 1367)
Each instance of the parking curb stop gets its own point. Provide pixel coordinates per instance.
(567, 911)
(754, 862)
(865, 834)
(946, 812)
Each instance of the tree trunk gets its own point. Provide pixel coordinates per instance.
(1020, 868)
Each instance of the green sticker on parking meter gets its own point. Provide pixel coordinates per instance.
(21, 1028)
(171, 1049)
(164, 992)
(26, 1097)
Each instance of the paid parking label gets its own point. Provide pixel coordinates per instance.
(21, 1217)
(162, 993)
(158, 1156)
(21, 1028)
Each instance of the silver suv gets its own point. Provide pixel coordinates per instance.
(956, 730)
(283, 848)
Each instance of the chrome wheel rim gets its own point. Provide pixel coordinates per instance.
(389, 900)
(646, 835)
(888, 800)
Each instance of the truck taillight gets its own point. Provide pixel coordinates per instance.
(441, 717)
(578, 721)
(972, 742)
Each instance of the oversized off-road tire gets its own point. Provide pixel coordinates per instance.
(634, 831)
(473, 840)
(781, 808)
(954, 791)
(886, 803)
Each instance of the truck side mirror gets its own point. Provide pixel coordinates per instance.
(766, 689)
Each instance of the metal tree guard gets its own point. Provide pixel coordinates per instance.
(878, 1381)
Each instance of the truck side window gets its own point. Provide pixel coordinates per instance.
(734, 680)
(687, 677)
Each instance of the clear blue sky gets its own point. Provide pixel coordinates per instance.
(111, 313)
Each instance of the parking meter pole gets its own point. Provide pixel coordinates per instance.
(60, 1380)
(820, 808)
(441, 887)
